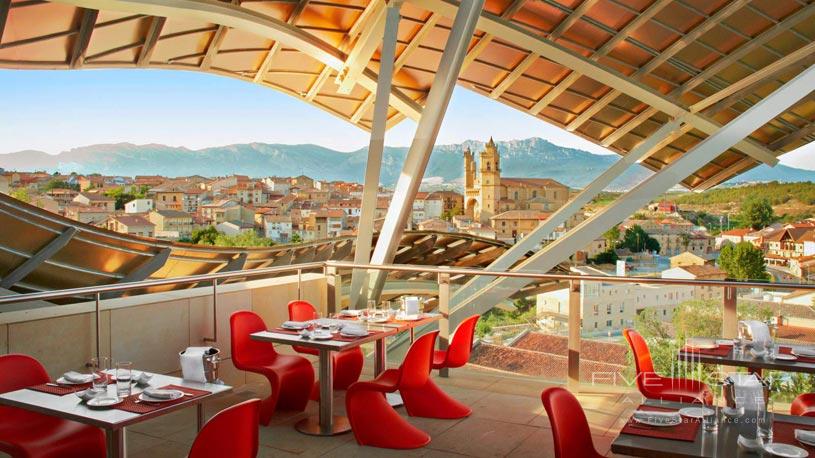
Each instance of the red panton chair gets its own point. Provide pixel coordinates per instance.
(655, 386)
(290, 376)
(570, 429)
(347, 365)
(803, 405)
(429, 400)
(26, 434)
(232, 432)
(373, 421)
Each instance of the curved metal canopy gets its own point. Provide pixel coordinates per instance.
(60, 253)
(611, 71)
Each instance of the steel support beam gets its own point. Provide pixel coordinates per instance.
(513, 76)
(427, 130)
(486, 39)
(150, 41)
(214, 46)
(246, 20)
(655, 185)
(28, 266)
(531, 241)
(267, 60)
(363, 50)
(83, 38)
(373, 166)
(144, 270)
(525, 39)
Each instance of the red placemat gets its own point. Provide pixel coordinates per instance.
(784, 433)
(720, 351)
(62, 390)
(130, 404)
(788, 351)
(685, 431)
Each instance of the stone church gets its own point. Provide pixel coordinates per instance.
(487, 193)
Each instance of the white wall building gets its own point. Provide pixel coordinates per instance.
(139, 206)
(278, 228)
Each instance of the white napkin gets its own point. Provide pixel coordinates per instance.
(759, 331)
(805, 352)
(156, 393)
(411, 305)
(348, 312)
(192, 364)
(355, 331)
(77, 377)
(748, 390)
(86, 395)
(807, 437)
(660, 417)
(143, 379)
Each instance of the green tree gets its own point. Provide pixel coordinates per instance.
(295, 238)
(612, 237)
(55, 183)
(21, 194)
(244, 239)
(205, 236)
(743, 261)
(637, 240)
(606, 257)
(757, 212)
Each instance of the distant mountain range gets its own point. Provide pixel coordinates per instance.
(531, 157)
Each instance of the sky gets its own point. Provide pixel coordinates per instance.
(54, 111)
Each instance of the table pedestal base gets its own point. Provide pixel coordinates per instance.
(311, 426)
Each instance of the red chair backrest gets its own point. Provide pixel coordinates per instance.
(570, 428)
(232, 432)
(462, 344)
(244, 349)
(415, 369)
(642, 355)
(19, 371)
(302, 311)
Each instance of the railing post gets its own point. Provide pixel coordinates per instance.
(299, 284)
(573, 379)
(99, 328)
(444, 309)
(334, 289)
(214, 337)
(730, 317)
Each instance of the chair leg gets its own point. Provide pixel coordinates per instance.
(375, 423)
(268, 405)
(431, 402)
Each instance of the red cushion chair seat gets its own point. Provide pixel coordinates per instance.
(803, 405)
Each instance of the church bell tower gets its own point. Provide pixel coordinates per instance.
(490, 181)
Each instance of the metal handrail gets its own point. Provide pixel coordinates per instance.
(92, 290)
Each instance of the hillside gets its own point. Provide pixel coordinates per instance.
(531, 157)
(790, 201)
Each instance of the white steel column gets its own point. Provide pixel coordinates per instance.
(530, 241)
(370, 189)
(729, 135)
(426, 132)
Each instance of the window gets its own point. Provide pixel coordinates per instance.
(608, 309)
(595, 325)
(622, 308)
(608, 323)
(664, 312)
(596, 310)
(516, 195)
(534, 194)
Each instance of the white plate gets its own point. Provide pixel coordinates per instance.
(321, 336)
(353, 335)
(656, 422)
(701, 343)
(351, 312)
(785, 450)
(294, 327)
(804, 353)
(382, 319)
(408, 317)
(785, 357)
(176, 394)
(103, 402)
(64, 381)
(695, 412)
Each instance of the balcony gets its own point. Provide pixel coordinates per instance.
(502, 383)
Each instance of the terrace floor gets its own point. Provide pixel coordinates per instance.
(508, 420)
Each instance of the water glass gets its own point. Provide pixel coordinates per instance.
(765, 422)
(124, 376)
(772, 349)
(710, 419)
(371, 309)
(98, 367)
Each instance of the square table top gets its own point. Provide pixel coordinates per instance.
(745, 359)
(70, 406)
(706, 445)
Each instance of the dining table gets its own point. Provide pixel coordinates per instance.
(727, 355)
(651, 442)
(60, 401)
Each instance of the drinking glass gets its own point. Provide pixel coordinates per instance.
(710, 418)
(771, 349)
(765, 421)
(124, 376)
(98, 367)
(371, 309)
